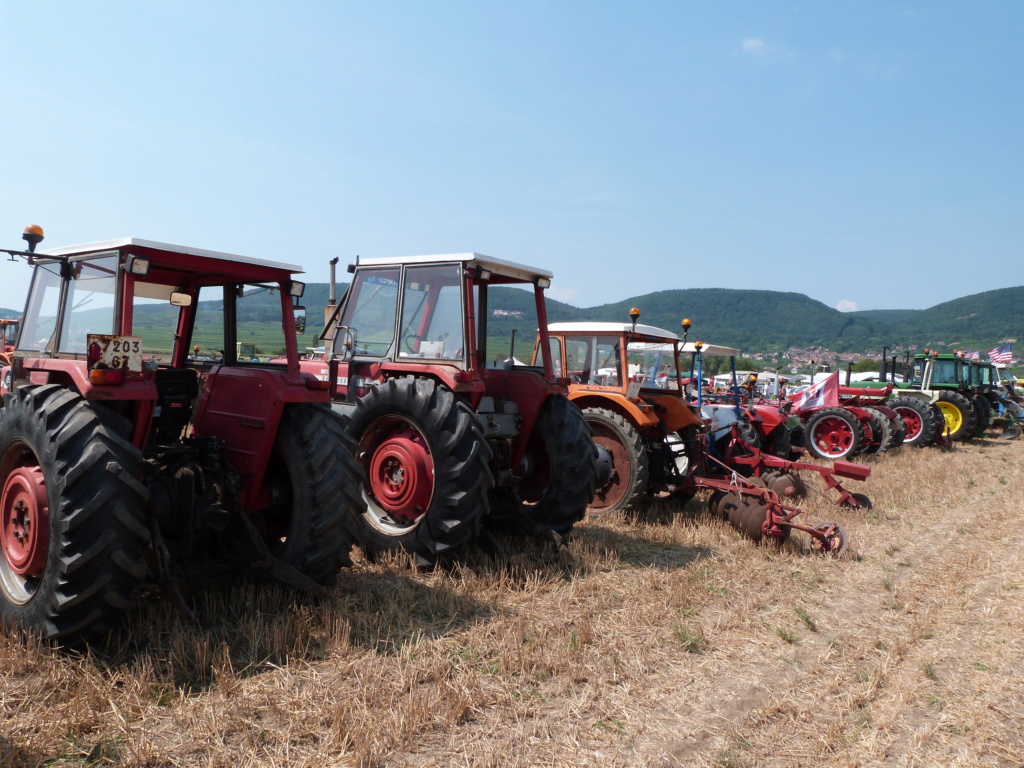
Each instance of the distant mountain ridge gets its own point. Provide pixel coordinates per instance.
(761, 321)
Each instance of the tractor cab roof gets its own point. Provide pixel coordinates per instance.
(711, 349)
(182, 264)
(615, 329)
(501, 271)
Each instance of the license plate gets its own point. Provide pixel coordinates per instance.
(124, 352)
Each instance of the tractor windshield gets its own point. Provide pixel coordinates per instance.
(945, 373)
(432, 314)
(43, 305)
(656, 363)
(594, 360)
(90, 303)
(370, 310)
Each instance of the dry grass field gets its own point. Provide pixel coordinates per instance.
(663, 642)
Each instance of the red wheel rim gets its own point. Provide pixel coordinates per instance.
(25, 529)
(400, 470)
(912, 421)
(615, 489)
(833, 436)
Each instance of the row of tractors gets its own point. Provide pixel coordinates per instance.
(130, 461)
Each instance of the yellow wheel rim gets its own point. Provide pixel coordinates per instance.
(954, 419)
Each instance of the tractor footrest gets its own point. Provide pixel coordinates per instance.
(851, 470)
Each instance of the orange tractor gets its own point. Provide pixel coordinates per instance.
(8, 332)
(627, 379)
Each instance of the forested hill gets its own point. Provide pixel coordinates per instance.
(759, 321)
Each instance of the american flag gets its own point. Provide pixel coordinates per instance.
(1001, 354)
(975, 356)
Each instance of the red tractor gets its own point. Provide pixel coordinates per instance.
(125, 460)
(453, 431)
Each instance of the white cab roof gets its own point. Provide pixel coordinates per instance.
(612, 329)
(109, 245)
(711, 349)
(500, 266)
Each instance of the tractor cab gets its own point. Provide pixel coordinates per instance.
(433, 314)
(140, 325)
(634, 365)
(452, 425)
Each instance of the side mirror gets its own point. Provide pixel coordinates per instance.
(344, 343)
(181, 299)
(300, 319)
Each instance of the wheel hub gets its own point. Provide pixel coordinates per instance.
(25, 523)
(913, 423)
(833, 436)
(402, 475)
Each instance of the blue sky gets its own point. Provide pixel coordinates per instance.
(867, 154)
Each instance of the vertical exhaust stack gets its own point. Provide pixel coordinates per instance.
(332, 305)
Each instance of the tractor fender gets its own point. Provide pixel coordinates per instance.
(861, 414)
(641, 419)
(889, 412)
(675, 413)
(768, 415)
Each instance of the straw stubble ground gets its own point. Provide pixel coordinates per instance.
(661, 643)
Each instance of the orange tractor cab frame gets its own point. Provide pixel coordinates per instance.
(125, 458)
(453, 430)
(626, 379)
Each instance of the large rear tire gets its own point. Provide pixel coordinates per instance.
(983, 411)
(628, 482)
(958, 415)
(73, 530)
(779, 442)
(427, 470)
(833, 433)
(562, 468)
(313, 482)
(882, 432)
(918, 418)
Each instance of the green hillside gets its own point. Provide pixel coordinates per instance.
(754, 321)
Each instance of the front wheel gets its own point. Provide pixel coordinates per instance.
(833, 433)
(73, 528)
(426, 464)
(625, 447)
(560, 467)
(313, 483)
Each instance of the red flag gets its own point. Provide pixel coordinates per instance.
(824, 394)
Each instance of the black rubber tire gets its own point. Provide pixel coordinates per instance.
(983, 411)
(821, 448)
(98, 537)
(314, 482)
(630, 474)
(899, 432)
(460, 458)
(881, 428)
(968, 419)
(779, 442)
(918, 413)
(748, 433)
(563, 480)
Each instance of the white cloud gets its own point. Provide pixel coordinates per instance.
(847, 306)
(756, 47)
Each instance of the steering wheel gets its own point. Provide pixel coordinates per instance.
(412, 340)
